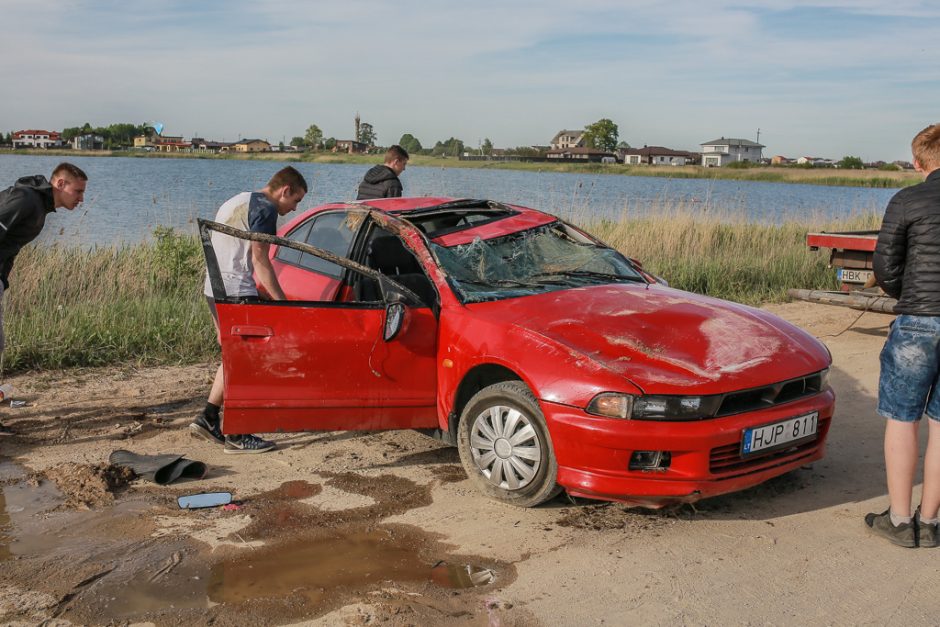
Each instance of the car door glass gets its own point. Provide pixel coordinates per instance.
(299, 234)
(334, 233)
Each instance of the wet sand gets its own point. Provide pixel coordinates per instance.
(360, 528)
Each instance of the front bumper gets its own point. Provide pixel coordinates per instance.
(594, 453)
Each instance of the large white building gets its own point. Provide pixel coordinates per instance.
(36, 139)
(723, 151)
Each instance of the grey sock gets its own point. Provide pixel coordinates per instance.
(900, 520)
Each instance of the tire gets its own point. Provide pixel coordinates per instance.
(505, 447)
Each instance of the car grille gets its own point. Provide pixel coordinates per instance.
(770, 395)
(727, 461)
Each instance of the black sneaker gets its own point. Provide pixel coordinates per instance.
(5, 431)
(209, 431)
(247, 443)
(901, 535)
(927, 535)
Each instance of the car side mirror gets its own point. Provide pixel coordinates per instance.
(394, 320)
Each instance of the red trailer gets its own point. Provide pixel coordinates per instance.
(851, 254)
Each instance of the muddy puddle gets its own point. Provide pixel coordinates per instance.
(278, 557)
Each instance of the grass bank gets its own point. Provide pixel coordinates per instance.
(143, 304)
(812, 176)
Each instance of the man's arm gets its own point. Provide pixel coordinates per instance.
(265, 271)
(891, 249)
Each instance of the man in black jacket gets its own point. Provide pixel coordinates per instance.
(23, 210)
(907, 267)
(382, 181)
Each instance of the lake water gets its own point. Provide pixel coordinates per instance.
(127, 197)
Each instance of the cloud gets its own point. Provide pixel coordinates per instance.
(668, 73)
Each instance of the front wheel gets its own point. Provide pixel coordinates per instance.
(505, 446)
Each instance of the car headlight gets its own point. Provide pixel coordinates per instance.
(823, 379)
(611, 405)
(655, 407)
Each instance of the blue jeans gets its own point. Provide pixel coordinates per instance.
(910, 366)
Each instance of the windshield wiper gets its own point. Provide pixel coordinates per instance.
(495, 283)
(590, 274)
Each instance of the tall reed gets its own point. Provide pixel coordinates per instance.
(69, 306)
(725, 256)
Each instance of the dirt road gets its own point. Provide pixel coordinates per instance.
(366, 528)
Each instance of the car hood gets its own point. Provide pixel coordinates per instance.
(663, 340)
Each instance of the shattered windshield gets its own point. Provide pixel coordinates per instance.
(546, 258)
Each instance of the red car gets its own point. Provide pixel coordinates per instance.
(551, 361)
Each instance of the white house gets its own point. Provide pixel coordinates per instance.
(723, 151)
(815, 161)
(36, 139)
(568, 139)
(655, 155)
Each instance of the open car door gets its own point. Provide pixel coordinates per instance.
(311, 365)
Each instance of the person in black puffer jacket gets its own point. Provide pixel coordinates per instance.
(382, 181)
(907, 267)
(23, 210)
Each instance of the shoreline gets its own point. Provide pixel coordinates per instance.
(829, 177)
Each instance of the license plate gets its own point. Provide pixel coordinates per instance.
(778, 434)
(848, 275)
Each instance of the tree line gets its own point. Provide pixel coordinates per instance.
(603, 135)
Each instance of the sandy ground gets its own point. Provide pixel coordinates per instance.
(384, 528)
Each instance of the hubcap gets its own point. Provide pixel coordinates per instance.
(505, 447)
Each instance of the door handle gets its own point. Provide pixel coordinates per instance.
(248, 330)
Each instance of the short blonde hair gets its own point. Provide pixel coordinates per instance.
(926, 147)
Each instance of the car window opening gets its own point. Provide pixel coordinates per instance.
(546, 258)
(386, 253)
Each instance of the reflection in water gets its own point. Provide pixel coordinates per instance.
(5, 529)
(20, 501)
(315, 567)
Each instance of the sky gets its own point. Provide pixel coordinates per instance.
(823, 78)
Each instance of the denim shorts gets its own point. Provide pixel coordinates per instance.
(910, 365)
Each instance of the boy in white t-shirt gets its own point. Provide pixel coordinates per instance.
(239, 262)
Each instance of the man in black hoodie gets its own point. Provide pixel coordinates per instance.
(23, 210)
(382, 181)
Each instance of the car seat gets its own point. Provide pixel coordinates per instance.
(388, 255)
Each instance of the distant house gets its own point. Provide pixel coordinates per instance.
(88, 141)
(567, 139)
(656, 155)
(723, 151)
(780, 160)
(32, 138)
(815, 161)
(162, 143)
(199, 144)
(351, 146)
(251, 145)
(581, 154)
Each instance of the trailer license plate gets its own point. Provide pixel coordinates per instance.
(779, 433)
(848, 275)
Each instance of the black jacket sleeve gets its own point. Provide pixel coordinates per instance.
(394, 189)
(13, 204)
(891, 249)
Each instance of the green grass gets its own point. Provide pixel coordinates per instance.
(143, 304)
